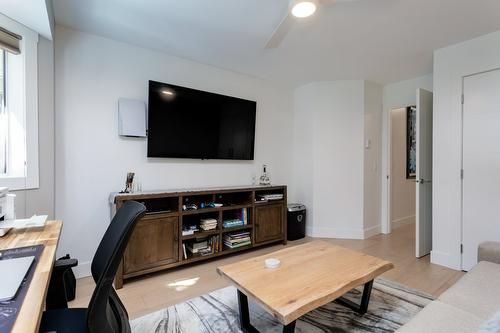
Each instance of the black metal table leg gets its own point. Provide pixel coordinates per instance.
(245, 325)
(245, 314)
(290, 328)
(365, 299)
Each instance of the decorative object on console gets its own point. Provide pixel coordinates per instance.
(129, 183)
(189, 230)
(210, 205)
(189, 207)
(264, 178)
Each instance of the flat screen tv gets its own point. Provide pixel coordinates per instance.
(189, 123)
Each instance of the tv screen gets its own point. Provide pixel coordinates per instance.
(188, 123)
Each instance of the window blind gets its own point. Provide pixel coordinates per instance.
(9, 41)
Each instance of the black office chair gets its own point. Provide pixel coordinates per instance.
(106, 313)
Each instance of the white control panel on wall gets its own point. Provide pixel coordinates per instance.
(131, 118)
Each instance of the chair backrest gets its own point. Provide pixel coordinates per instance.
(106, 313)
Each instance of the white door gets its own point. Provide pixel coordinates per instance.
(481, 163)
(423, 217)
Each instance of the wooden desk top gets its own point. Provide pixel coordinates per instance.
(28, 319)
(310, 275)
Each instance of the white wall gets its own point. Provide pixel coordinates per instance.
(91, 160)
(303, 164)
(338, 159)
(403, 191)
(372, 155)
(332, 120)
(396, 95)
(451, 64)
(41, 200)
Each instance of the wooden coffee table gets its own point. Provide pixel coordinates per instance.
(310, 275)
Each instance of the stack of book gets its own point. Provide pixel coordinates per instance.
(234, 241)
(233, 223)
(268, 197)
(208, 224)
(201, 247)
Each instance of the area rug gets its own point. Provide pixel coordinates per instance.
(391, 306)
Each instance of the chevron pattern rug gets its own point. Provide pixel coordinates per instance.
(391, 306)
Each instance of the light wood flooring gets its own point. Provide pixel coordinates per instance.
(148, 294)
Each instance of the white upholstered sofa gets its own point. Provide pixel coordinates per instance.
(474, 299)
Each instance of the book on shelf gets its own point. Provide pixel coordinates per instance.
(242, 215)
(237, 240)
(204, 247)
(208, 224)
(233, 223)
(237, 245)
(239, 219)
(268, 197)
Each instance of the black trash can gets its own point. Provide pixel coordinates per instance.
(296, 225)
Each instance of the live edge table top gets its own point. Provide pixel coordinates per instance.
(310, 275)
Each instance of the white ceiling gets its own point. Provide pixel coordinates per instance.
(379, 40)
(34, 14)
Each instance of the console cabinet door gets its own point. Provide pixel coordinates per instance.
(269, 223)
(154, 242)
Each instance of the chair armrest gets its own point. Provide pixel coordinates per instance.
(64, 264)
(489, 251)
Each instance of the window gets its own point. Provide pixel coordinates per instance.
(3, 117)
(18, 106)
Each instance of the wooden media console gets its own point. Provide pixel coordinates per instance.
(158, 243)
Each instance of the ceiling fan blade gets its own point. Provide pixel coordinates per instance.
(334, 1)
(281, 31)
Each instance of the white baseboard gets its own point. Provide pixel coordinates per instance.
(403, 221)
(342, 233)
(445, 259)
(82, 270)
(372, 231)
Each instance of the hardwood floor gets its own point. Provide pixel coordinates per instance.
(145, 295)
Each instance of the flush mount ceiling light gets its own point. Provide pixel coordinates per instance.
(298, 9)
(303, 8)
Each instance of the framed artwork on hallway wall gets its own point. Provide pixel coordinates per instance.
(411, 142)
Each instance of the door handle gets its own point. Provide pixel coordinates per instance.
(422, 181)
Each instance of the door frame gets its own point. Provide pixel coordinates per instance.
(462, 110)
(387, 223)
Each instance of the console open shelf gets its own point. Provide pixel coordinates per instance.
(201, 234)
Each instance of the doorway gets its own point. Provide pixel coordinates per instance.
(403, 187)
(410, 169)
